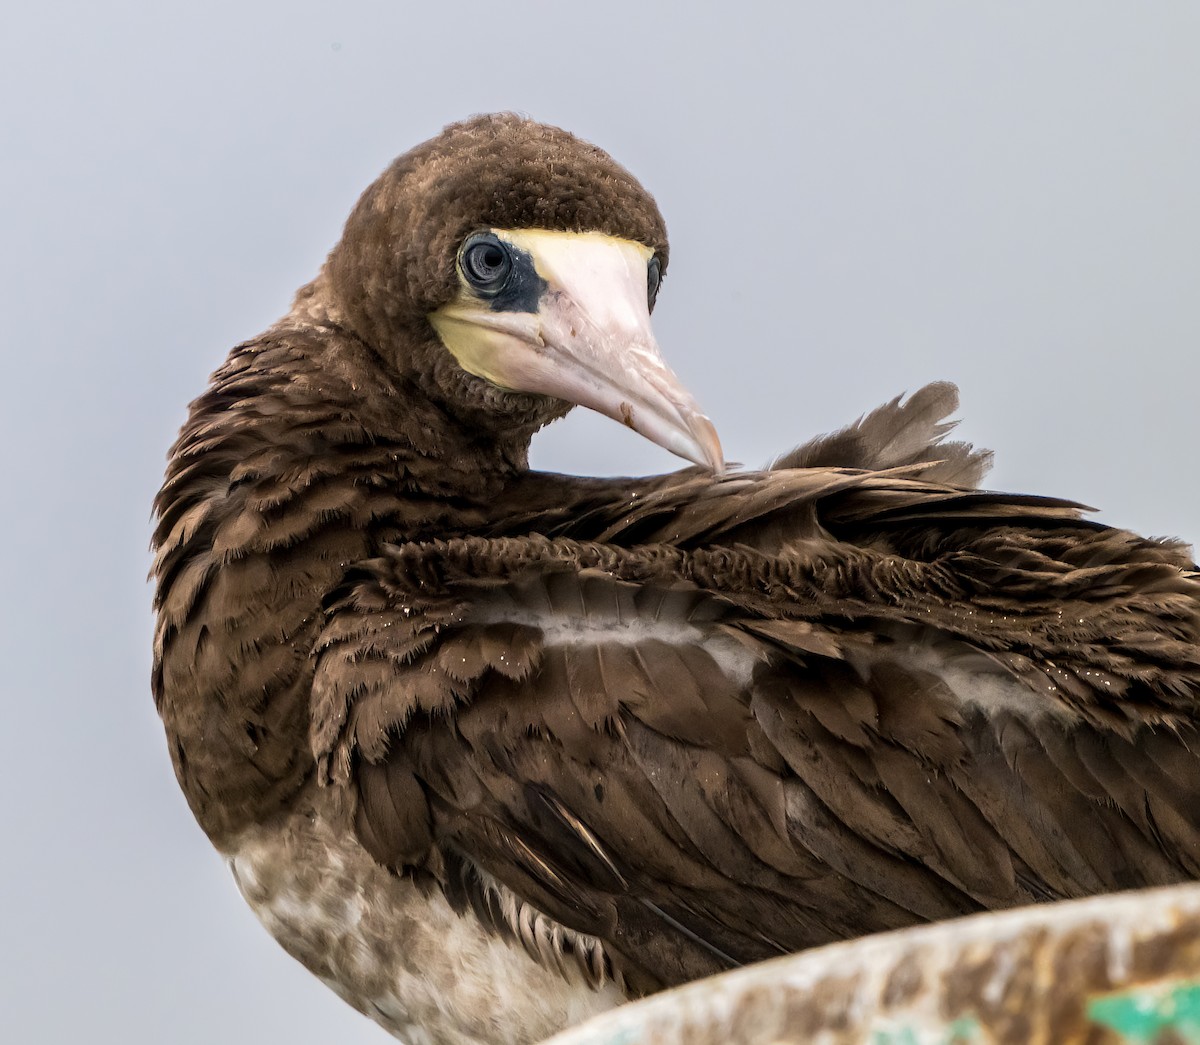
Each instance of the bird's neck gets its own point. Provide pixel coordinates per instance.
(293, 466)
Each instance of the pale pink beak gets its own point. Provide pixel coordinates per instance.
(590, 341)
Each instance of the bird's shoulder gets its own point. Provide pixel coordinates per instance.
(622, 706)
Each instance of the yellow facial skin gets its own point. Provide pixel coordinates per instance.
(587, 338)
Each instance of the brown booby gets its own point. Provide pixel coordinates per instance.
(490, 750)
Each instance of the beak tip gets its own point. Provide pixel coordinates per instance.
(705, 434)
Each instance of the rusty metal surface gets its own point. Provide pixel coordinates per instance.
(1122, 968)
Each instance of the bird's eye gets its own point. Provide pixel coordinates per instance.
(485, 262)
(653, 279)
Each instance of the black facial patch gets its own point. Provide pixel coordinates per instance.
(653, 281)
(523, 288)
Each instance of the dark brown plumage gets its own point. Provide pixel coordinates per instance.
(442, 713)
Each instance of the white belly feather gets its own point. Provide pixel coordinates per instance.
(398, 954)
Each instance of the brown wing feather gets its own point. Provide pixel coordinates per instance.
(702, 747)
(901, 432)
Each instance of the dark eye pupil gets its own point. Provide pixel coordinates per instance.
(485, 262)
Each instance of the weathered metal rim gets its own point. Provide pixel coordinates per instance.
(1123, 967)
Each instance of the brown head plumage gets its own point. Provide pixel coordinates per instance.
(396, 261)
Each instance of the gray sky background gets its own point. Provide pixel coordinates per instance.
(862, 197)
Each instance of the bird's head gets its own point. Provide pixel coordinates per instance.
(510, 269)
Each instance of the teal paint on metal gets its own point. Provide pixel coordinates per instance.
(1141, 1014)
(963, 1031)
